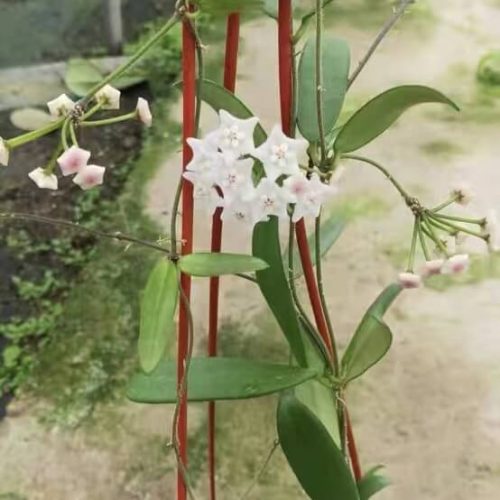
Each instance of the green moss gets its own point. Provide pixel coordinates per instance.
(441, 148)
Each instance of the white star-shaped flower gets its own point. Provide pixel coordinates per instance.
(43, 179)
(207, 198)
(270, 199)
(206, 162)
(239, 210)
(109, 97)
(280, 154)
(234, 135)
(61, 106)
(235, 178)
(4, 153)
(73, 160)
(309, 194)
(89, 176)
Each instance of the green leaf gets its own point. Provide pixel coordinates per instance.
(273, 284)
(211, 379)
(217, 97)
(336, 62)
(81, 76)
(216, 264)
(331, 229)
(372, 339)
(377, 115)
(371, 483)
(315, 459)
(30, 119)
(158, 306)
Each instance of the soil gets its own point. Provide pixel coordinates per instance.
(430, 412)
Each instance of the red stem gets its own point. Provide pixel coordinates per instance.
(230, 69)
(189, 97)
(351, 445)
(286, 60)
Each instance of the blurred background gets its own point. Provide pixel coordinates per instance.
(430, 412)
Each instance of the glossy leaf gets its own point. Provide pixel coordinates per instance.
(376, 116)
(81, 76)
(331, 230)
(212, 379)
(315, 459)
(372, 339)
(217, 97)
(336, 63)
(216, 264)
(372, 483)
(273, 284)
(30, 119)
(158, 306)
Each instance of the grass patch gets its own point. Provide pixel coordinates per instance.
(92, 345)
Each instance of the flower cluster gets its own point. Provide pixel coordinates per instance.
(75, 160)
(226, 171)
(448, 233)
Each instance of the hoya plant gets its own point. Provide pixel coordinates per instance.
(271, 182)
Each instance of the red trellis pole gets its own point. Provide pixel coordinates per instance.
(188, 130)
(286, 60)
(230, 66)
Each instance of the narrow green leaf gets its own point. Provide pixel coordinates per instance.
(158, 306)
(336, 62)
(372, 483)
(331, 229)
(212, 379)
(377, 115)
(315, 459)
(372, 339)
(216, 264)
(217, 97)
(273, 284)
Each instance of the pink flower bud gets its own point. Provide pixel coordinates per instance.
(109, 97)
(433, 267)
(456, 264)
(73, 160)
(144, 112)
(43, 178)
(409, 280)
(89, 176)
(4, 153)
(61, 106)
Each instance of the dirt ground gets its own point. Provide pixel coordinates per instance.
(431, 411)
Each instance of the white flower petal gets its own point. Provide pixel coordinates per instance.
(4, 153)
(144, 112)
(409, 280)
(43, 179)
(89, 176)
(463, 193)
(61, 106)
(109, 97)
(73, 160)
(456, 264)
